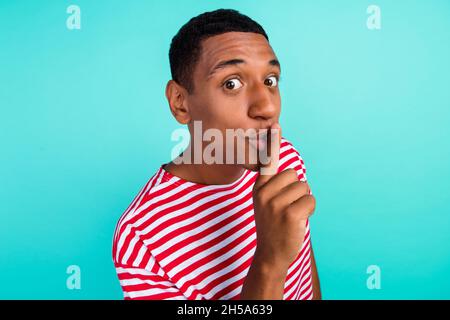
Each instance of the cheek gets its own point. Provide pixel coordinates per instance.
(224, 112)
(276, 99)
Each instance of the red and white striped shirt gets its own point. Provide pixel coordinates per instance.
(183, 240)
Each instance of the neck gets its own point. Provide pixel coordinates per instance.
(208, 174)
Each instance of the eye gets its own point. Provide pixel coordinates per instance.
(271, 81)
(233, 84)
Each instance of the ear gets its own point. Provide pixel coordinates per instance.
(176, 96)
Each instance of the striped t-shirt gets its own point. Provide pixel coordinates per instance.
(183, 240)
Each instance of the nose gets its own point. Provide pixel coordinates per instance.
(263, 104)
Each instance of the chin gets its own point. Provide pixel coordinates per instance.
(249, 164)
(251, 167)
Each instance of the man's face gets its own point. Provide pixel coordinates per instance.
(236, 85)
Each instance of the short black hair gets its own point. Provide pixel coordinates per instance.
(186, 44)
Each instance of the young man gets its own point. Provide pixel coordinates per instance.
(222, 230)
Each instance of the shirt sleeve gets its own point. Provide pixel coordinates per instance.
(290, 158)
(142, 278)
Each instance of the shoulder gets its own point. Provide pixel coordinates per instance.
(139, 214)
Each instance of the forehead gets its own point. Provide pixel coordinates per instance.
(252, 47)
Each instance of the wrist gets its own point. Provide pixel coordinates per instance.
(270, 270)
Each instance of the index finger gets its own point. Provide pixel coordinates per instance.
(268, 163)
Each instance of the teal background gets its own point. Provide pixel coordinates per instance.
(85, 123)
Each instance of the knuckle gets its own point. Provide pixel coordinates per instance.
(262, 195)
(304, 208)
(292, 173)
(302, 187)
(311, 202)
(291, 213)
(273, 205)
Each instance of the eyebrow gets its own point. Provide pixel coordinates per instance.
(233, 62)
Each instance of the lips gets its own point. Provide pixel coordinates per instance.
(259, 142)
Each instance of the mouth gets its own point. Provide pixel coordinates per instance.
(259, 141)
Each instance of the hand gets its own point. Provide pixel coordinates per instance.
(282, 205)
